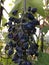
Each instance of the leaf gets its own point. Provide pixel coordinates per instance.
(3, 20)
(10, 4)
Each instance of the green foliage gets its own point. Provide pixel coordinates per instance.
(0, 28)
(3, 0)
(42, 59)
(6, 61)
(45, 29)
(32, 3)
(39, 6)
(18, 6)
(3, 20)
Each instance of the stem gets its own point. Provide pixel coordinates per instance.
(24, 6)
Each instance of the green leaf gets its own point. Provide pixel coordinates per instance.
(3, 20)
(10, 4)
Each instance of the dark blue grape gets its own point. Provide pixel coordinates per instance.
(15, 12)
(18, 48)
(34, 10)
(30, 16)
(28, 26)
(15, 37)
(25, 45)
(20, 53)
(29, 52)
(29, 9)
(10, 35)
(20, 34)
(16, 59)
(17, 20)
(33, 48)
(13, 29)
(11, 18)
(26, 63)
(29, 63)
(31, 25)
(19, 60)
(23, 20)
(10, 23)
(33, 31)
(10, 44)
(10, 52)
(36, 53)
(24, 38)
(35, 22)
(10, 29)
(7, 47)
(14, 45)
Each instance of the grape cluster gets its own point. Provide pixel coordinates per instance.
(20, 32)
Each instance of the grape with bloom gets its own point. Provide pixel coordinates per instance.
(20, 33)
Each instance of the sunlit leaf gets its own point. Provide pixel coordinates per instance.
(10, 4)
